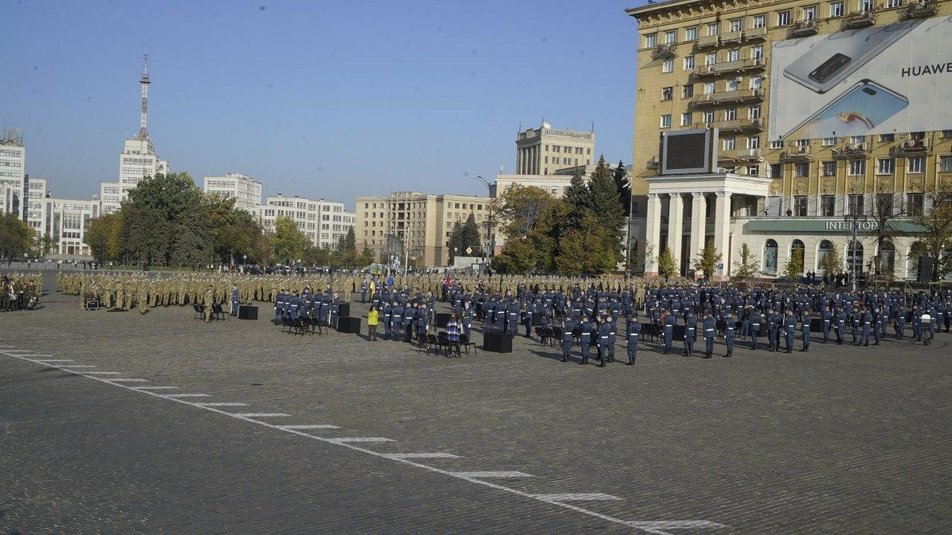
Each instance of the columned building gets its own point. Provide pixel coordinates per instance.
(825, 111)
(540, 151)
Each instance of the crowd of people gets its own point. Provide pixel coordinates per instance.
(20, 291)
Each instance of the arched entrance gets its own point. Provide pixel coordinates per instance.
(770, 257)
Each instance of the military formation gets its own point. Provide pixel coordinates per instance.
(20, 290)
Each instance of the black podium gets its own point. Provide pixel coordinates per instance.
(442, 319)
(343, 310)
(348, 325)
(497, 342)
(247, 312)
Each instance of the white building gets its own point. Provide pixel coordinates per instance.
(323, 222)
(67, 222)
(12, 172)
(36, 204)
(138, 159)
(244, 189)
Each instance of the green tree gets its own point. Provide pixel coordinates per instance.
(579, 200)
(832, 264)
(345, 254)
(519, 208)
(43, 245)
(794, 268)
(935, 238)
(586, 249)
(234, 232)
(706, 260)
(516, 257)
(747, 266)
(104, 236)
(623, 186)
(640, 254)
(608, 206)
(288, 243)
(666, 264)
(16, 237)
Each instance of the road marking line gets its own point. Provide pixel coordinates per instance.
(481, 475)
(54, 361)
(186, 396)
(68, 367)
(576, 497)
(350, 440)
(102, 373)
(128, 380)
(653, 527)
(221, 404)
(308, 426)
(34, 356)
(16, 351)
(152, 387)
(258, 414)
(395, 456)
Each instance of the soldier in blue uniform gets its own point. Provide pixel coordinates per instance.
(604, 330)
(466, 318)
(827, 321)
(790, 329)
(364, 286)
(396, 321)
(612, 327)
(805, 320)
(668, 330)
(387, 313)
(772, 325)
(866, 320)
(422, 326)
(841, 318)
(567, 327)
(729, 324)
(900, 321)
(690, 332)
(756, 319)
(585, 338)
(709, 325)
(633, 331)
(512, 320)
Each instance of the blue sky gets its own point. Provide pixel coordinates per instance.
(317, 99)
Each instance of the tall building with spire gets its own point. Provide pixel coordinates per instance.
(138, 160)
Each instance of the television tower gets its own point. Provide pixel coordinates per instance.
(144, 114)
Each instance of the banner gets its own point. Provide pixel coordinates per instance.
(890, 78)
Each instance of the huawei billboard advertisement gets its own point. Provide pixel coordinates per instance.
(875, 80)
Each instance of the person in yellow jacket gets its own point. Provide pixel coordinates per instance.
(373, 316)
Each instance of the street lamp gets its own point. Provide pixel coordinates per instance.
(853, 217)
(489, 235)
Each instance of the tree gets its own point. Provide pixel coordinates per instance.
(16, 237)
(104, 236)
(885, 213)
(345, 254)
(706, 260)
(43, 245)
(666, 264)
(288, 243)
(516, 257)
(794, 268)
(586, 249)
(936, 237)
(519, 208)
(747, 266)
(831, 264)
(607, 204)
(640, 254)
(234, 232)
(623, 185)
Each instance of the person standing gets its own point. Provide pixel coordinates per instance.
(709, 326)
(690, 331)
(756, 318)
(585, 339)
(805, 320)
(789, 329)
(604, 330)
(235, 299)
(567, 327)
(633, 331)
(452, 333)
(373, 317)
(208, 302)
(668, 330)
(730, 323)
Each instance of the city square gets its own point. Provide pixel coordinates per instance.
(129, 422)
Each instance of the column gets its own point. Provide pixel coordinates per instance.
(698, 225)
(676, 227)
(722, 231)
(653, 234)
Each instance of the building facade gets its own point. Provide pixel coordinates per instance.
(12, 172)
(416, 226)
(323, 222)
(543, 150)
(244, 189)
(826, 108)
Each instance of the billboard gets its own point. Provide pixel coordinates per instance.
(875, 80)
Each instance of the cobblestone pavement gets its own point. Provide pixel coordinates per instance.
(837, 440)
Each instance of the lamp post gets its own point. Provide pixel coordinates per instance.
(490, 246)
(853, 217)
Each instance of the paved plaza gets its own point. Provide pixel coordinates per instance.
(118, 422)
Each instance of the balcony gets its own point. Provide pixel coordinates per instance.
(804, 28)
(755, 34)
(921, 10)
(737, 125)
(852, 151)
(741, 155)
(728, 97)
(708, 41)
(911, 147)
(663, 51)
(732, 37)
(652, 163)
(732, 67)
(859, 19)
(796, 155)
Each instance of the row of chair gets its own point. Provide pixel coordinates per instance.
(218, 313)
(440, 343)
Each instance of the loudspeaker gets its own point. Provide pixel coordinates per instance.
(247, 312)
(497, 342)
(442, 320)
(348, 325)
(343, 310)
(816, 324)
(925, 268)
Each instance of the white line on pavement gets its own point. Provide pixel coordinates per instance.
(351, 440)
(54, 361)
(221, 404)
(308, 426)
(576, 497)
(258, 414)
(127, 380)
(68, 367)
(496, 474)
(186, 396)
(150, 387)
(395, 456)
(102, 373)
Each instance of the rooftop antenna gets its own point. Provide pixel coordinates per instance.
(144, 82)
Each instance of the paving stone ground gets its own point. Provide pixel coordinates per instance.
(837, 440)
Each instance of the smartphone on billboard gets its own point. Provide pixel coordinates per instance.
(828, 61)
(856, 112)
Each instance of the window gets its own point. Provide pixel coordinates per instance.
(946, 134)
(855, 203)
(667, 65)
(690, 34)
(753, 170)
(709, 116)
(885, 166)
(712, 28)
(783, 18)
(735, 25)
(651, 40)
(802, 143)
(829, 168)
(667, 93)
(687, 91)
(670, 37)
(760, 21)
(827, 205)
(836, 9)
(884, 204)
(917, 164)
(914, 204)
(753, 143)
(708, 88)
(801, 169)
(770, 257)
(809, 13)
(776, 170)
(730, 143)
(776, 144)
(710, 59)
(945, 164)
(756, 82)
(856, 140)
(757, 52)
(686, 119)
(733, 54)
(753, 112)
(666, 120)
(828, 141)
(857, 167)
(730, 114)
(689, 63)
(733, 84)
(893, 3)
(800, 205)
(865, 6)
